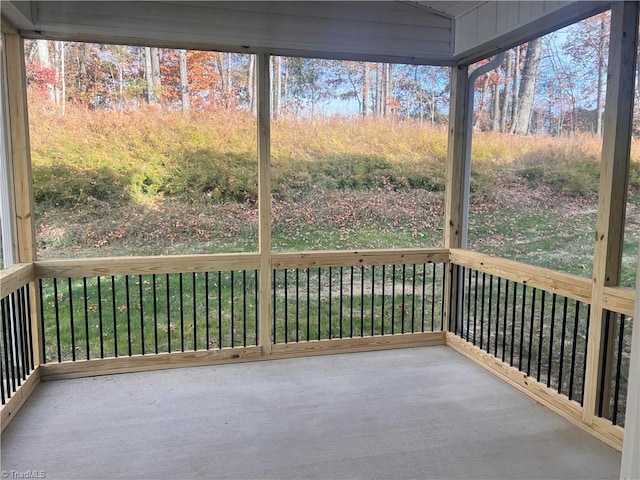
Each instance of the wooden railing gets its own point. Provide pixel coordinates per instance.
(527, 324)
(619, 303)
(531, 326)
(18, 339)
(124, 314)
(357, 299)
(106, 315)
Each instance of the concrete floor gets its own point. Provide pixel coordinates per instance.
(413, 413)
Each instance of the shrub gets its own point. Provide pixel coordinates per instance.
(577, 178)
(212, 175)
(67, 186)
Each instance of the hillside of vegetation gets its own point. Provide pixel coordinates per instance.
(153, 182)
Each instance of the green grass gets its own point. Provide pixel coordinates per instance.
(131, 314)
(544, 238)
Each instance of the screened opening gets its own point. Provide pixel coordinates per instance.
(536, 149)
(358, 154)
(143, 151)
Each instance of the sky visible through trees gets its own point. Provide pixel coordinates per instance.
(551, 86)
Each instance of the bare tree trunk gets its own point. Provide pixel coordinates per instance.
(528, 86)
(433, 96)
(82, 69)
(63, 82)
(560, 116)
(285, 86)
(223, 75)
(514, 91)
(184, 82)
(152, 74)
(379, 88)
(42, 47)
(120, 88)
(601, 74)
(419, 97)
(155, 73)
(224, 69)
(477, 122)
(251, 84)
(148, 76)
(433, 107)
(387, 89)
(55, 62)
(495, 114)
(229, 80)
(277, 87)
(366, 87)
(504, 107)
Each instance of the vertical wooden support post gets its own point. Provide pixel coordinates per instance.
(9, 240)
(20, 166)
(456, 198)
(20, 149)
(612, 197)
(264, 201)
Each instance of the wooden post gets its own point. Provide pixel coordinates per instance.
(612, 197)
(20, 166)
(456, 198)
(264, 201)
(9, 240)
(20, 148)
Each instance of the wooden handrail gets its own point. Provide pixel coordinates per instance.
(620, 300)
(342, 258)
(616, 299)
(83, 267)
(87, 267)
(571, 286)
(15, 277)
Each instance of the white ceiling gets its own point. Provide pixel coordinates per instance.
(425, 32)
(451, 9)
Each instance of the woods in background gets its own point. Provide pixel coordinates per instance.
(554, 85)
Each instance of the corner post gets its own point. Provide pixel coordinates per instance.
(612, 199)
(456, 193)
(19, 163)
(264, 202)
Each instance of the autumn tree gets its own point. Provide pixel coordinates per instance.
(560, 84)
(307, 84)
(421, 92)
(505, 92)
(587, 45)
(366, 89)
(152, 74)
(184, 81)
(43, 48)
(526, 91)
(350, 81)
